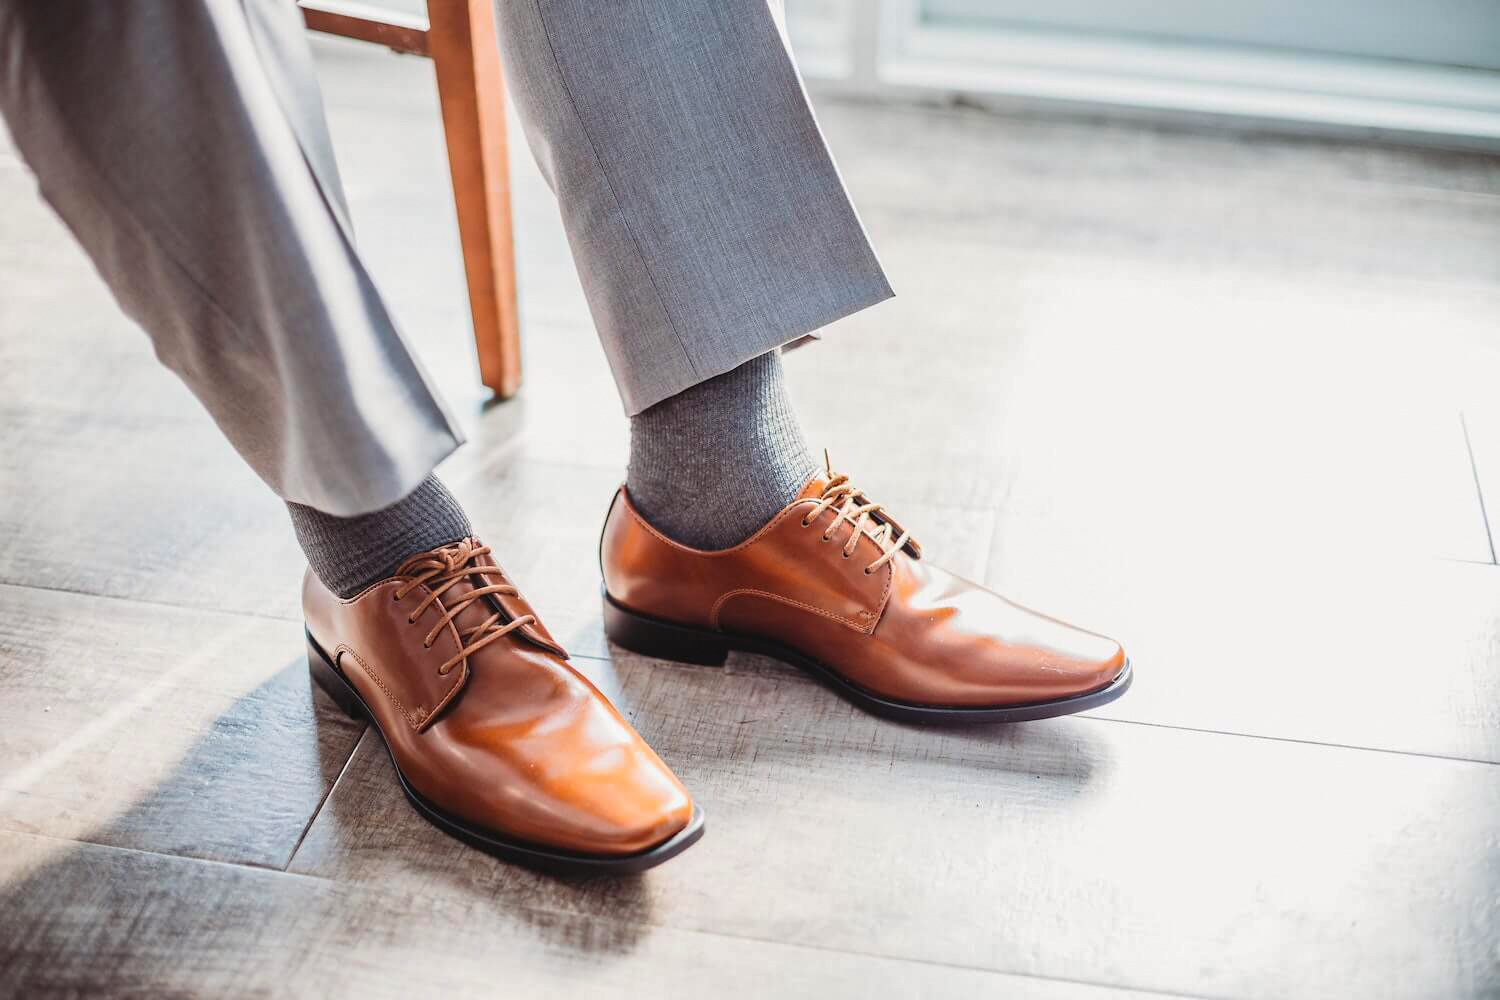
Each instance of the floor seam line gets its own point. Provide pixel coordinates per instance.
(1296, 740)
(189, 858)
(1489, 536)
(307, 827)
(855, 953)
(1090, 717)
(146, 601)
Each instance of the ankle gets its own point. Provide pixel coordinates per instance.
(711, 465)
(350, 553)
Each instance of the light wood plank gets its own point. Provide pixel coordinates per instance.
(1260, 409)
(85, 920)
(1143, 857)
(169, 730)
(1202, 200)
(1397, 655)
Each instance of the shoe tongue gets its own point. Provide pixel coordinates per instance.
(814, 487)
(478, 611)
(515, 606)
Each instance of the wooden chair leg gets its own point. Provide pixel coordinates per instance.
(462, 42)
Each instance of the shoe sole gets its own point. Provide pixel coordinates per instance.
(685, 644)
(328, 677)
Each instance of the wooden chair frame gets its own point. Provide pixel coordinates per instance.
(459, 37)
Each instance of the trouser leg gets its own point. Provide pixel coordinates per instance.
(707, 220)
(184, 145)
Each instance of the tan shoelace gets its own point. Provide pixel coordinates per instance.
(441, 570)
(857, 514)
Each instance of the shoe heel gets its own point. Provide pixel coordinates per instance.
(327, 677)
(662, 640)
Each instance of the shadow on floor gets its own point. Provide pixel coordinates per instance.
(193, 872)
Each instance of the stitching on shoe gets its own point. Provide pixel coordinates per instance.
(405, 713)
(451, 632)
(885, 595)
(713, 615)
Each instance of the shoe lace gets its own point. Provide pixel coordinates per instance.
(440, 570)
(852, 506)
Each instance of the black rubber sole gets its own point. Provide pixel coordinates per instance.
(337, 687)
(667, 641)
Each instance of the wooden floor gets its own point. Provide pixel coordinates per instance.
(1230, 398)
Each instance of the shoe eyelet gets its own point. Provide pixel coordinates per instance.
(806, 523)
(410, 620)
(426, 645)
(844, 555)
(867, 571)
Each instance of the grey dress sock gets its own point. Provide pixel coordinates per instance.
(350, 553)
(712, 464)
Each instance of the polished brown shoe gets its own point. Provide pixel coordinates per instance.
(833, 585)
(495, 738)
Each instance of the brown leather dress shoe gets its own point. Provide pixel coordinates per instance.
(495, 738)
(835, 586)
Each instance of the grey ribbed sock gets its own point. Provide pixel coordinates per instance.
(712, 464)
(350, 553)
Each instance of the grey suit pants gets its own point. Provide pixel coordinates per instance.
(183, 142)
